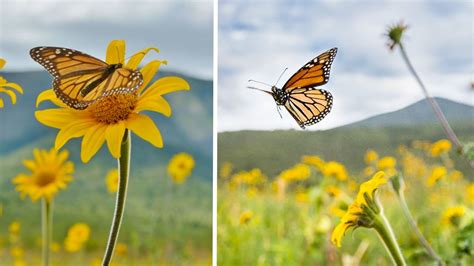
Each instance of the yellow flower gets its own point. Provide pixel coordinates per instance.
(470, 193)
(77, 235)
(371, 156)
(245, 217)
(50, 172)
(302, 197)
(456, 175)
(14, 228)
(452, 215)
(4, 83)
(180, 167)
(437, 173)
(313, 160)
(17, 252)
(440, 147)
(333, 191)
(369, 170)
(107, 119)
(355, 215)
(121, 249)
(111, 180)
(252, 177)
(226, 170)
(298, 172)
(386, 163)
(335, 169)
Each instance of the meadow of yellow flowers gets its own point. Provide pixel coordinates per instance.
(290, 219)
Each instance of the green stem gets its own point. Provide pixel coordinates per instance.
(419, 235)
(124, 170)
(385, 233)
(434, 105)
(46, 228)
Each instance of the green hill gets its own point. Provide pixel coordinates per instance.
(273, 151)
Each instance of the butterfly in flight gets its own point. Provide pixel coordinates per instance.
(80, 79)
(307, 104)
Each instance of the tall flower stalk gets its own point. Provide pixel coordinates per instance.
(124, 172)
(398, 186)
(46, 229)
(395, 35)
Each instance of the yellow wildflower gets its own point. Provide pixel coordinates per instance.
(355, 215)
(245, 217)
(77, 235)
(335, 169)
(437, 173)
(14, 228)
(456, 175)
(470, 193)
(313, 160)
(4, 83)
(50, 172)
(440, 147)
(180, 167)
(369, 170)
(298, 172)
(302, 197)
(371, 156)
(121, 249)
(333, 191)
(111, 180)
(452, 215)
(17, 252)
(386, 163)
(107, 119)
(226, 170)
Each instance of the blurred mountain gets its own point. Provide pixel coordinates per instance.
(188, 130)
(420, 113)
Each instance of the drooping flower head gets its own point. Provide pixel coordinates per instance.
(4, 84)
(362, 211)
(180, 167)
(107, 119)
(50, 172)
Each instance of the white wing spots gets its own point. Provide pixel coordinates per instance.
(57, 51)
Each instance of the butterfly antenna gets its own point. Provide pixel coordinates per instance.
(253, 88)
(281, 75)
(266, 84)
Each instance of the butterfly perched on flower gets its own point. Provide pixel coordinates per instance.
(81, 79)
(306, 104)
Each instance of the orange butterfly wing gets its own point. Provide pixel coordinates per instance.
(308, 106)
(80, 79)
(314, 73)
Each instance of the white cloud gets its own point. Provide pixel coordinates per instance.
(259, 40)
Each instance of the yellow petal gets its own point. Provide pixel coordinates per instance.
(137, 58)
(149, 71)
(74, 129)
(145, 128)
(92, 141)
(114, 135)
(1, 103)
(115, 52)
(14, 86)
(156, 104)
(10, 93)
(56, 118)
(166, 85)
(49, 95)
(2, 63)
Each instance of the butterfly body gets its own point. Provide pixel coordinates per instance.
(307, 104)
(81, 79)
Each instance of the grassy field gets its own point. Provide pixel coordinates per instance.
(164, 223)
(267, 217)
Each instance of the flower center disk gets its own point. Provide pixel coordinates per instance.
(113, 108)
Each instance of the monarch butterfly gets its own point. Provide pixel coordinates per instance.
(306, 104)
(80, 79)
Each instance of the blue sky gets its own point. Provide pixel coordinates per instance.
(258, 39)
(181, 29)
